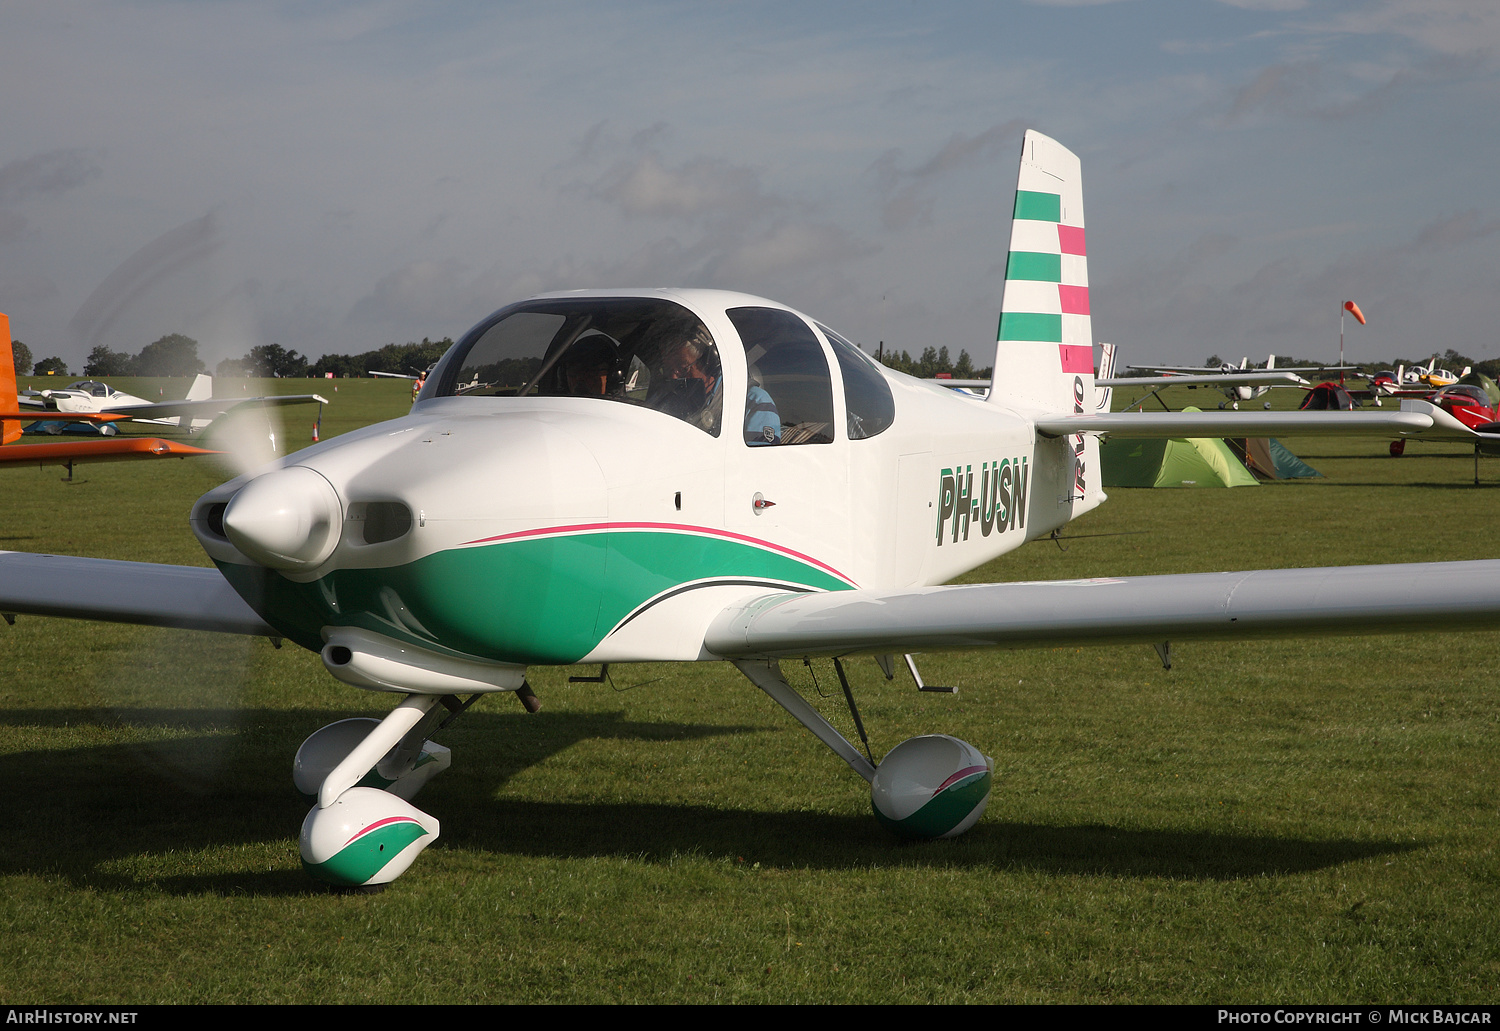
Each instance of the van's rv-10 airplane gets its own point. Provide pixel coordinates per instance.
(697, 475)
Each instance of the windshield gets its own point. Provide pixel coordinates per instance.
(640, 351)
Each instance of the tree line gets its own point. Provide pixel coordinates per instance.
(177, 355)
(933, 362)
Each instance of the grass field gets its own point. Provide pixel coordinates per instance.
(1311, 820)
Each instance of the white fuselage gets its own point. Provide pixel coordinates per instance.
(563, 529)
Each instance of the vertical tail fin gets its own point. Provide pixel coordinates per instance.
(10, 429)
(202, 388)
(1044, 354)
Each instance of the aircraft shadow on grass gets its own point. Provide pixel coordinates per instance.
(94, 807)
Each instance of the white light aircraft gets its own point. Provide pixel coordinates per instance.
(194, 412)
(697, 475)
(1238, 383)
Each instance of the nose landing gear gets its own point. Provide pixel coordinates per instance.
(362, 774)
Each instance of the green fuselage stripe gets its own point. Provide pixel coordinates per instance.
(535, 600)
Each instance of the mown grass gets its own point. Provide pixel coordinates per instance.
(1306, 820)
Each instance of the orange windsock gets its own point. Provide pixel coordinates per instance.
(1353, 309)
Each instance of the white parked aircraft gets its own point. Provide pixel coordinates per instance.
(697, 475)
(1238, 383)
(197, 410)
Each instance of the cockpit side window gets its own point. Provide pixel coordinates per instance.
(790, 393)
(641, 351)
(869, 407)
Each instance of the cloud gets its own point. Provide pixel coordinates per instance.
(788, 249)
(906, 202)
(11, 224)
(418, 292)
(1460, 230)
(56, 171)
(1266, 5)
(1280, 88)
(1445, 26)
(697, 189)
(176, 249)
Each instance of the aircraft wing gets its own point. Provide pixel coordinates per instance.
(1250, 378)
(214, 406)
(185, 597)
(1111, 610)
(52, 415)
(1146, 609)
(112, 449)
(1220, 370)
(1239, 424)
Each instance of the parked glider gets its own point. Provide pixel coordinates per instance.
(697, 475)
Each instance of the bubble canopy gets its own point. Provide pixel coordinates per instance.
(657, 353)
(644, 351)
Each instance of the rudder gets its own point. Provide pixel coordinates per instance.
(10, 429)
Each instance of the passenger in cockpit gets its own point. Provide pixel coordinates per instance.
(762, 420)
(591, 367)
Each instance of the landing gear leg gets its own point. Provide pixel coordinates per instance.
(766, 674)
(360, 836)
(933, 786)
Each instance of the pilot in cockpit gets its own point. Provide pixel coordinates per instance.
(688, 386)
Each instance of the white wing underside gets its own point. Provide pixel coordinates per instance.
(185, 597)
(1149, 609)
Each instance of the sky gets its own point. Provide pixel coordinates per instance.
(336, 176)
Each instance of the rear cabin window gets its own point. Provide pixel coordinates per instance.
(869, 407)
(641, 351)
(790, 395)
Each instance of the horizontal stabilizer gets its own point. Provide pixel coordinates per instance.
(1237, 424)
(184, 597)
(1150, 609)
